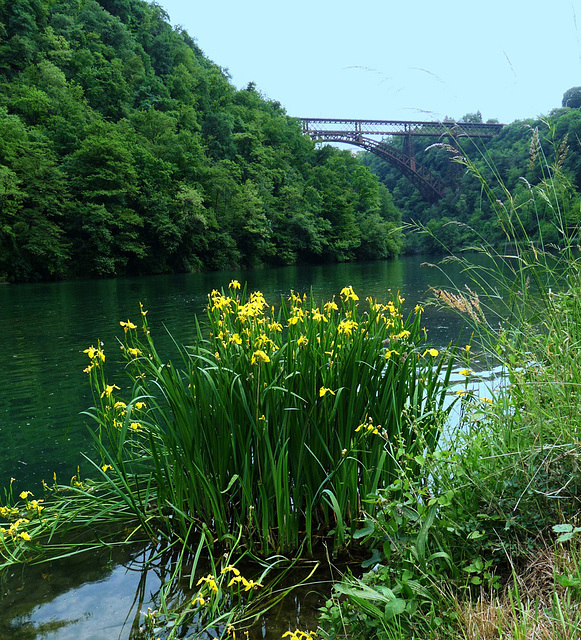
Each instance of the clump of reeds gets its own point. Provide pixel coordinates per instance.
(258, 428)
(272, 429)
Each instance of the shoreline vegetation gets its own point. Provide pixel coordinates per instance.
(283, 427)
(125, 151)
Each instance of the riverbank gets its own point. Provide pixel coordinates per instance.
(482, 542)
(461, 539)
(461, 542)
(455, 535)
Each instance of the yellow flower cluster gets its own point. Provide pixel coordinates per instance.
(108, 390)
(210, 581)
(9, 512)
(259, 356)
(210, 584)
(128, 325)
(34, 505)
(300, 635)
(96, 356)
(369, 427)
(243, 324)
(15, 531)
(347, 327)
(390, 308)
(247, 584)
(238, 579)
(347, 293)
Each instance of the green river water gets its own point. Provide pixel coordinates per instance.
(44, 329)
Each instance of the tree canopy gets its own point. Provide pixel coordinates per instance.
(572, 98)
(519, 160)
(125, 150)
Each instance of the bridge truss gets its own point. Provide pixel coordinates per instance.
(356, 132)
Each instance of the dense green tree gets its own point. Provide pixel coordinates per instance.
(572, 98)
(519, 159)
(32, 204)
(126, 151)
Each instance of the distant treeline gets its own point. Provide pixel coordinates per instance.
(516, 158)
(124, 150)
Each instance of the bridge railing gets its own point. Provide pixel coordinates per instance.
(337, 126)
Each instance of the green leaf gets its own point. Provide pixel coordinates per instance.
(447, 498)
(232, 481)
(368, 529)
(564, 537)
(568, 581)
(370, 562)
(439, 554)
(562, 528)
(394, 608)
(475, 535)
(423, 534)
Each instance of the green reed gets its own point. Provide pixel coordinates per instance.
(270, 422)
(519, 277)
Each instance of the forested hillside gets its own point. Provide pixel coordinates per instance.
(124, 150)
(514, 158)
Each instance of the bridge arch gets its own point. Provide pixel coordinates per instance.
(427, 183)
(352, 132)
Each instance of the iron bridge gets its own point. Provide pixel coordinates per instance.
(357, 132)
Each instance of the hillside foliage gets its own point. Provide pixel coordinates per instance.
(124, 150)
(515, 159)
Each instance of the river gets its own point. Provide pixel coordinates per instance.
(44, 329)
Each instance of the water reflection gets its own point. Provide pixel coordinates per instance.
(45, 327)
(107, 594)
(80, 598)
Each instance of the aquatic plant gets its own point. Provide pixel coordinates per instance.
(258, 428)
(268, 433)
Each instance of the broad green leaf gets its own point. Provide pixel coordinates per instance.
(394, 608)
(368, 528)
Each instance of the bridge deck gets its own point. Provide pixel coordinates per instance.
(337, 126)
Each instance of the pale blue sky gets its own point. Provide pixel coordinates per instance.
(510, 59)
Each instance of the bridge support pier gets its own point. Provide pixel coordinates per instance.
(408, 148)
